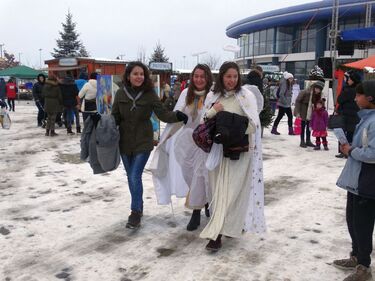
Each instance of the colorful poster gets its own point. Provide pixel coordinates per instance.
(104, 98)
(154, 120)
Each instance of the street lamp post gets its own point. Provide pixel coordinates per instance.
(197, 55)
(1, 50)
(184, 61)
(19, 58)
(40, 57)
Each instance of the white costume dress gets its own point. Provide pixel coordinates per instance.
(178, 165)
(237, 185)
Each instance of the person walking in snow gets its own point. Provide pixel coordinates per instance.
(39, 99)
(11, 90)
(237, 185)
(358, 178)
(284, 103)
(69, 93)
(183, 172)
(53, 103)
(319, 124)
(304, 107)
(132, 108)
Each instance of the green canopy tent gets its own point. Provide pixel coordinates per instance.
(21, 72)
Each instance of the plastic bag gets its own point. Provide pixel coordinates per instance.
(215, 156)
(5, 119)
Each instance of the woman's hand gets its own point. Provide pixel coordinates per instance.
(218, 107)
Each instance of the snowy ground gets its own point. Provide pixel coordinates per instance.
(59, 221)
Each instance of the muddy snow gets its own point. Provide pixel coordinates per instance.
(58, 221)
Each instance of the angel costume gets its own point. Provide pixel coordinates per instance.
(237, 185)
(178, 164)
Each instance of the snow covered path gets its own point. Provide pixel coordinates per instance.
(60, 222)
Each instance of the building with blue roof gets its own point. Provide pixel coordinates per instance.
(294, 38)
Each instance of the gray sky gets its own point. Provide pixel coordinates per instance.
(113, 27)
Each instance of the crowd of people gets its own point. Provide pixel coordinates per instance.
(227, 180)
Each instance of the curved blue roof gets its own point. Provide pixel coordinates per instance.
(321, 10)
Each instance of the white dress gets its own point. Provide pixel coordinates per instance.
(178, 164)
(237, 185)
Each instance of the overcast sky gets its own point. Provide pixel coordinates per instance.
(121, 27)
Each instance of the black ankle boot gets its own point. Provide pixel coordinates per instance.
(214, 245)
(195, 220)
(206, 210)
(47, 133)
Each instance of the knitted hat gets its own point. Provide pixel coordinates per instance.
(318, 84)
(316, 72)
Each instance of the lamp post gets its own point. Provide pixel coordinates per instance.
(40, 58)
(197, 55)
(19, 58)
(184, 61)
(1, 50)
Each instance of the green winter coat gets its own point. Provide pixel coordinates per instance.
(302, 103)
(136, 134)
(52, 96)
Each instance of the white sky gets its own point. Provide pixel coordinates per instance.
(113, 27)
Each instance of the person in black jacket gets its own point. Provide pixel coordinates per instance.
(69, 93)
(347, 105)
(39, 99)
(255, 77)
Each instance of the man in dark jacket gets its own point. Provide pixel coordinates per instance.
(38, 98)
(347, 105)
(69, 92)
(3, 90)
(255, 77)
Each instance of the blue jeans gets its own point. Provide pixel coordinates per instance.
(69, 116)
(134, 166)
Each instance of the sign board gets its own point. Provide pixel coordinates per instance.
(270, 68)
(164, 66)
(68, 62)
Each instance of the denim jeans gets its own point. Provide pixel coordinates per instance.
(69, 116)
(134, 166)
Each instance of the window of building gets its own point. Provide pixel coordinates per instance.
(284, 39)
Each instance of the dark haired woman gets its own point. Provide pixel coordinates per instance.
(132, 109)
(237, 185)
(182, 172)
(284, 103)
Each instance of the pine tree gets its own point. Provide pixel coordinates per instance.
(69, 45)
(83, 52)
(158, 55)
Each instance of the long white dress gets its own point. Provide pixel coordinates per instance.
(237, 185)
(178, 164)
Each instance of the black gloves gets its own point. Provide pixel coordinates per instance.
(182, 116)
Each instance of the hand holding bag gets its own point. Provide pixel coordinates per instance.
(204, 133)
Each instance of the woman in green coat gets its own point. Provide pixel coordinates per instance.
(132, 109)
(52, 103)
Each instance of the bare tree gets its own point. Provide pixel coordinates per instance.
(211, 60)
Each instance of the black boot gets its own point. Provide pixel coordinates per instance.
(69, 131)
(78, 130)
(134, 220)
(214, 245)
(206, 210)
(309, 143)
(303, 144)
(47, 133)
(52, 134)
(195, 220)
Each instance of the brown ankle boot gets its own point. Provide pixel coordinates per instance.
(214, 245)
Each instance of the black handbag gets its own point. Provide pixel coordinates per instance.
(204, 133)
(336, 121)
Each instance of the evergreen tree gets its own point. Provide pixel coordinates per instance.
(69, 45)
(9, 60)
(158, 55)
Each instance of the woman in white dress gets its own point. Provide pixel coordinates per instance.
(178, 165)
(237, 185)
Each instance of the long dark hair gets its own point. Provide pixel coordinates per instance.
(219, 85)
(208, 75)
(147, 84)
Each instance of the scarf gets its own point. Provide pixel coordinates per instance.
(137, 97)
(198, 103)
